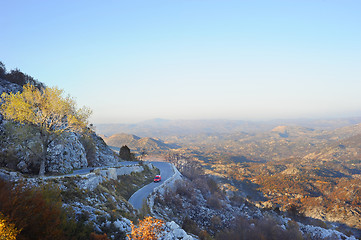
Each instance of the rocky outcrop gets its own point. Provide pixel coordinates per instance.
(6, 86)
(174, 231)
(104, 156)
(171, 230)
(315, 232)
(65, 154)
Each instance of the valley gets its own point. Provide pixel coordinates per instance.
(311, 168)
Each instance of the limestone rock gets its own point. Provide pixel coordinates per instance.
(64, 156)
(104, 156)
(174, 231)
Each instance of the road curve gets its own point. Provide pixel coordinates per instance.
(166, 172)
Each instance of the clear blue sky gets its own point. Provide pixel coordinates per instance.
(191, 59)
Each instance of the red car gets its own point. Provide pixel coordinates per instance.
(157, 178)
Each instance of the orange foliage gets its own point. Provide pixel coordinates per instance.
(8, 230)
(148, 229)
(38, 217)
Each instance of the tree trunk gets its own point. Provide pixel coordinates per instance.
(42, 168)
(43, 160)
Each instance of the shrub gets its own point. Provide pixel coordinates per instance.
(124, 153)
(204, 235)
(295, 210)
(159, 199)
(148, 229)
(39, 214)
(216, 222)
(214, 202)
(8, 231)
(171, 199)
(212, 185)
(18, 77)
(185, 188)
(236, 200)
(201, 184)
(190, 226)
(31, 211)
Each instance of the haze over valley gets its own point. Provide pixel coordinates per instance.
(311, 164)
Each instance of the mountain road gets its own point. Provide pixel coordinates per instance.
(166, 171)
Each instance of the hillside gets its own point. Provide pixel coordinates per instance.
(318, 171)
(346, 151)
(137, 144)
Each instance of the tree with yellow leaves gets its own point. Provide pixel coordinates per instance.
(8, 230)
(148, 229)
(47, 112)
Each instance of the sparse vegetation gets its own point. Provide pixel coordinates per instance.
(147, 229)
(260, 229)
(37, 213)
(18, 77)
(307, 168)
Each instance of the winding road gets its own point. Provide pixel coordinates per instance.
(166, 171)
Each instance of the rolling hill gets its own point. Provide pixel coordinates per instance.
(137, 144)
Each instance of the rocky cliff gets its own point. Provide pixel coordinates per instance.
(70, 151)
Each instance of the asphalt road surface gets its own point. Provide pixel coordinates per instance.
(166, 172)
(136, 199)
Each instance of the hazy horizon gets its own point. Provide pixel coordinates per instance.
(131, 61)
(270, 120)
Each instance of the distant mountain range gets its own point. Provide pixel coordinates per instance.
(259, 141)
(161, 128)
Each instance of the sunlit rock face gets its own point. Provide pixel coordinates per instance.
(64, 154)
(174, 231)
